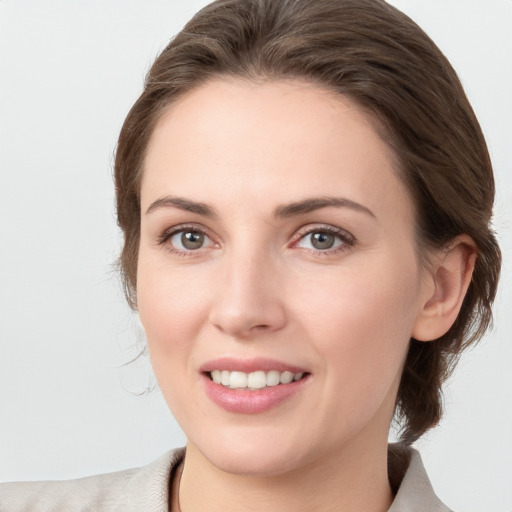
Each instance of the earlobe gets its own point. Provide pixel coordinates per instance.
(451, 276)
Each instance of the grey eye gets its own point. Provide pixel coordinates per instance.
(188, 240)
(192, 240)
(321, 240)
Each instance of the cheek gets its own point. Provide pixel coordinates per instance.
(171, 306)
(361, 322)
(172, 309)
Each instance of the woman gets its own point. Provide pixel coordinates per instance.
(305, 196)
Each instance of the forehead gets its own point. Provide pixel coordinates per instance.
(267, 140)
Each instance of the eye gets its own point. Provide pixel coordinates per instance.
(183, 240)
(325, 239)
(189, 240)
(321, 241)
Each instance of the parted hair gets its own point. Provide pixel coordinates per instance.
(375, 55)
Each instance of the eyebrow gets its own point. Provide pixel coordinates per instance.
(182, 204)
(316, 203)
(281, 212)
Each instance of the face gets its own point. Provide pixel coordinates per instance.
(277, 256)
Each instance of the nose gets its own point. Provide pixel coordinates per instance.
(249, 298)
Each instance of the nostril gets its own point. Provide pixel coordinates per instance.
(242, 315)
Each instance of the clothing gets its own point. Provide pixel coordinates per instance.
(147, 490)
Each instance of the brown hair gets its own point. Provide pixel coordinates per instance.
(377, 56)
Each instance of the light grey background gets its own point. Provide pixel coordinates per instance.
(69, 71)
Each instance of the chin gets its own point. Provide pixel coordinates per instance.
(250, 457)
(248, 465)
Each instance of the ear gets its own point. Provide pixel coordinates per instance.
(449, 280)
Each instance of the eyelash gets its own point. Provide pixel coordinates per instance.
(183, 228)
(347, 240)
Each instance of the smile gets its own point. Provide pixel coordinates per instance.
(253, 380)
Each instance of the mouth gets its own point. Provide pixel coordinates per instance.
(252, 386)
(255, 380)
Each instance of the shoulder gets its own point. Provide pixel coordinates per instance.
(63, 495)
(129, 490)
(414, 490)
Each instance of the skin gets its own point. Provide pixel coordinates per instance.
(258, 288)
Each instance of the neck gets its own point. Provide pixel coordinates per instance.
(351, 480)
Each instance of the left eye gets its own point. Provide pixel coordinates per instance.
(189, 240)
(320, 241)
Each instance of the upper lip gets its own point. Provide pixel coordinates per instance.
(249, 365)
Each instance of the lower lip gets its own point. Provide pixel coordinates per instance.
(243, 401)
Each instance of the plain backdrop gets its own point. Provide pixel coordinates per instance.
(69, 405)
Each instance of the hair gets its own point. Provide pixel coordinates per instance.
(371, 53)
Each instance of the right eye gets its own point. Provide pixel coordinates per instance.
(186, 240)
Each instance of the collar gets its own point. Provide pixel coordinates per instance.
(148, 487)
(415, 492)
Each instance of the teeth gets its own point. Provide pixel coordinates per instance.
(257, 380)
(273, 378)
(253, 380)
(286, 377)
(238, 380)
